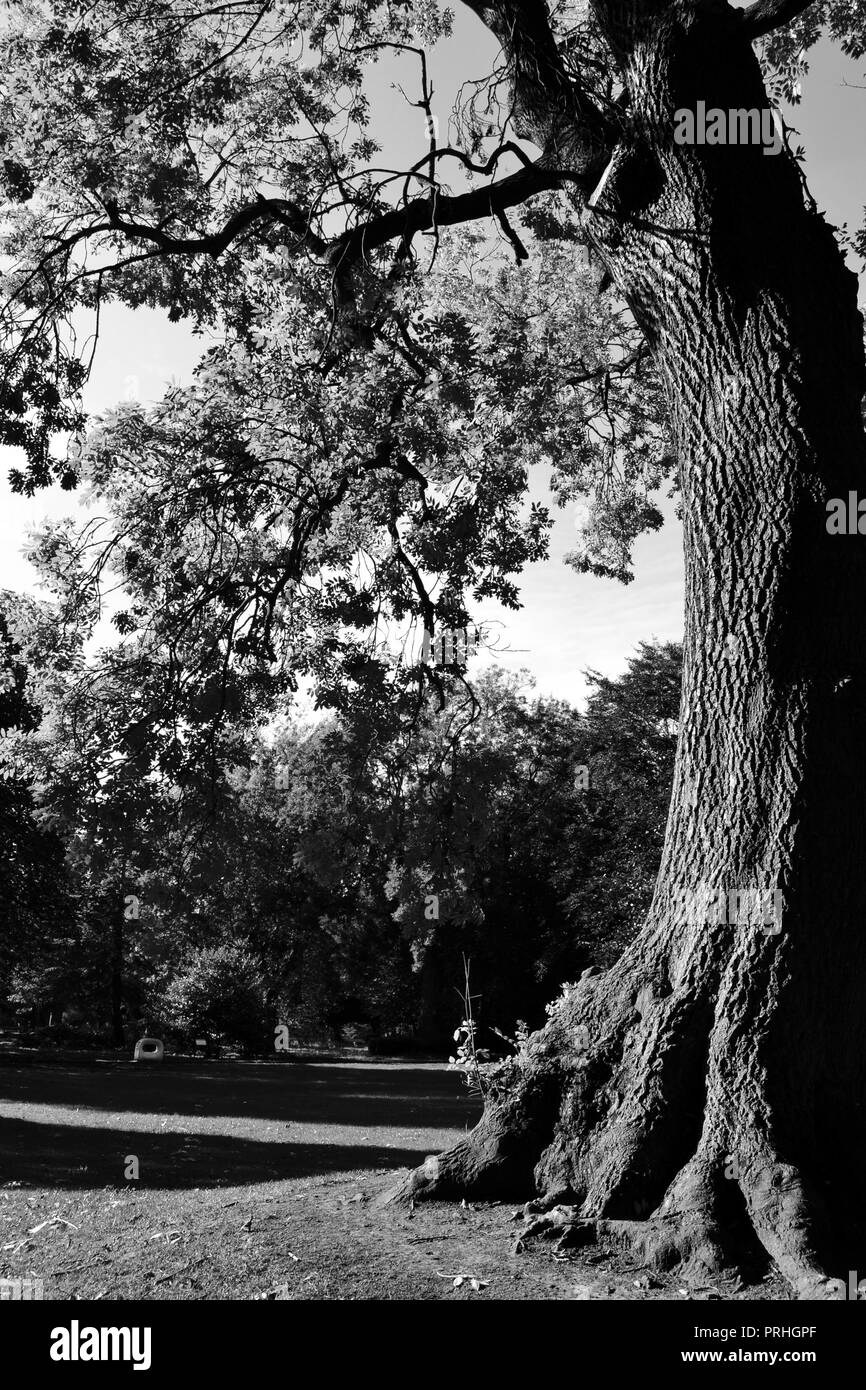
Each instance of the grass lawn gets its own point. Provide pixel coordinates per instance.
(260, 1180)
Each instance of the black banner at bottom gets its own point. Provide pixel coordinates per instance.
(157, 1341)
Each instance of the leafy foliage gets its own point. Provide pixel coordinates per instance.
(316, 853)
(218, 992)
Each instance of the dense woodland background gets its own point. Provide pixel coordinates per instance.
(330, 877)
(327, 876)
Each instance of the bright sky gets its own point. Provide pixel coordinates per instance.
(568, 622)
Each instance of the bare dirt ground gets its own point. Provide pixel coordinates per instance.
(263, 1180)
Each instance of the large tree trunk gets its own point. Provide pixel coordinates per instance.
(721, 1096)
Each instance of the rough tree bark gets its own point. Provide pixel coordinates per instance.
(721, 1097)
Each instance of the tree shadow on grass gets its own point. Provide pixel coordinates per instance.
(397, 1097)
(69, 1156)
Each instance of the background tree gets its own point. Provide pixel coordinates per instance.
(219, 992)
(629, 735)
(128, 754)
(37, 902)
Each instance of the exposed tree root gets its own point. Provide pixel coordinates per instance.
(497, 1158)
(644, 1123)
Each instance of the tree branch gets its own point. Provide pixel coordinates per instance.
(441, 210)
(432, 210)
(766, 15)
(550, 106)
(263, 209)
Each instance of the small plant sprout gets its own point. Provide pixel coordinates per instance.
(466, 1057)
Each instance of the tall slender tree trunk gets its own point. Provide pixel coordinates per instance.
(722, 1097)
(117, 944)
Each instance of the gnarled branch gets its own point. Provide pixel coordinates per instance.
(551, 108)
(766, 15)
